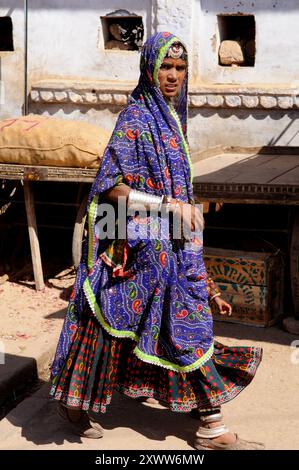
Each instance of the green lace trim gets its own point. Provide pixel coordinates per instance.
(91, 219)
(169, 365)
(185, 145)
(98, 313)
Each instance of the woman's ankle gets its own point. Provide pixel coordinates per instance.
(226, 438)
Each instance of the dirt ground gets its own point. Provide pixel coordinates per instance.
(27, 314)
(266, 411)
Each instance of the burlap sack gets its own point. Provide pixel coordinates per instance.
(44, 140)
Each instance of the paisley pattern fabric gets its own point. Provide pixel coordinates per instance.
(150, 289)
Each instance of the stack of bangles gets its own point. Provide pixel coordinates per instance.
(150, 202)
(213, 292)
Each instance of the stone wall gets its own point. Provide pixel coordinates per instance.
(71, 75)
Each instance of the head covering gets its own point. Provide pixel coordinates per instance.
(155, 49)
(148, 148)
(148, 151)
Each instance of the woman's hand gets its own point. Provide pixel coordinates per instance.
(223, 307)
(191, 216)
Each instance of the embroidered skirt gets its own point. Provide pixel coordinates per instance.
(98, 364)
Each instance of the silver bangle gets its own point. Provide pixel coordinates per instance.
(218, 294)
(211, 418)
(149, 201)
(209, 433)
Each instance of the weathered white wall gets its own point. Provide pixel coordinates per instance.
(69, 42)
(176, 16)
(210, 128)
(65, 42)
(12, 65)
(72, 76)
(277, 37)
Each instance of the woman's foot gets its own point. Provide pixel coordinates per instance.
(78, 422)
(239, 444)
(213, 435)
(227, 438)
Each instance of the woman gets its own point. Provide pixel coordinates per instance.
(139, 319)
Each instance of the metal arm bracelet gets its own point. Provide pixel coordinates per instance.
(148, 201)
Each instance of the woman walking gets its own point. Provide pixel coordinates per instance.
(139, 318)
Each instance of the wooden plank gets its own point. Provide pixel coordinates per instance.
(266, 169)
(247, 193)
(244, 169)
(33, 237)
(46, 173)
(267, 175)
(222, 252)
(204, 168)
(290, 177)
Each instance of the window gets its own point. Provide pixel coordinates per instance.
(122, 30)
(6, 39)
(237, 40)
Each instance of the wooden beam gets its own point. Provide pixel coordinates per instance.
(46, 173)
(33, 237)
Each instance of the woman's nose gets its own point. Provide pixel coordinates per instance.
(172, 76)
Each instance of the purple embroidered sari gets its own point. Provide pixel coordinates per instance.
(151, 290)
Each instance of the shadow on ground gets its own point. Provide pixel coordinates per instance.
(273, 334)
(155, 422)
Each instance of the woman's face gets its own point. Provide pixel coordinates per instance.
(171, 76)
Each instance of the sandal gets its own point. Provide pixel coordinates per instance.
(239, 444)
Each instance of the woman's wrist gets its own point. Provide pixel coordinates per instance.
(166, 203)
(214, 296)
(213, 291)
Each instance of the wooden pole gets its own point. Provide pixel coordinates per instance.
(294, 263)
(33, 237)
(25, 109)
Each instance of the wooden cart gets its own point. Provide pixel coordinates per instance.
(267, 175)
(28, 174)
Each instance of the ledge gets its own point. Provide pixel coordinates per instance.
(200, 95)
(83, 92)
(240, 96)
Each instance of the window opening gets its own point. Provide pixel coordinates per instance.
(6, 37)
(237, 40)
(122, 30)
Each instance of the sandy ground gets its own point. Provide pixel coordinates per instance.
(266, 411)
(28, 315)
